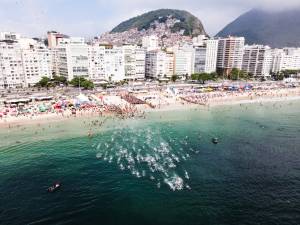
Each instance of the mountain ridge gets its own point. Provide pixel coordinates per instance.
(277, 29)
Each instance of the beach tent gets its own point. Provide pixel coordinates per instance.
(248, 87)
(82, 99)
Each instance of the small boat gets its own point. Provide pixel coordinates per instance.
(215, 140)
(54, 187)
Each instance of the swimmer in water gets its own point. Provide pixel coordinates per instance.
(90, 134)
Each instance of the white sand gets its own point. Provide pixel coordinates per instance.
(164, 103)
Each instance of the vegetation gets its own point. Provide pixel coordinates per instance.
(82, 82)
(288, 73)
(174, 78)
(203, 77)
(237, 74)
(44, 82)
(121, 82)
(55, 81)
(60, 80)
(284, 74)
(189, 23)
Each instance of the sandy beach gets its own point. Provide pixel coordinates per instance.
(163, 102)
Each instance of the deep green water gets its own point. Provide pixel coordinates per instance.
(159, 170)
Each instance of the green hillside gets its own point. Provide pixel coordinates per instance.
(189, 23)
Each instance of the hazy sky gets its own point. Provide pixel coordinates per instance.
(92, 17)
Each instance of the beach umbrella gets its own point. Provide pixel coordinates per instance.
(42, 108)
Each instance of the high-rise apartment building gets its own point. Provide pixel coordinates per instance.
(285, 59)
(36, 64)
(23, 61)
(230, 54)
(206, 51)
(72, 58)
(159, 64)
(184, 60)
(53, 38)
(134, 62)
(11, 66)
(114, 64)
(257, 60)
(106, 63)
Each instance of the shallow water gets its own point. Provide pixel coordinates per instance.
(159, 170)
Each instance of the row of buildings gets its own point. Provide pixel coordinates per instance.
(23, 61)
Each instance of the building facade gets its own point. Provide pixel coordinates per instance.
(159, 64)
(285, 59)
(23, 61)
(206, 51)
(11, 66)
(230, 54)
(134, 62)
(184, 56)
(257, 60)
(72, 58)
(150, 43)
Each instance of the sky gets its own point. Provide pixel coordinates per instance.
(89, 18)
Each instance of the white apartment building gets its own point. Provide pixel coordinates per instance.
(114, 64)
(9, 36)
(169, 64)
(37, 64)
(54, 38)
(54, 61)
(285, 59)
(206, 51)
(72, 58)
(257, 60)
(159, 64)
(230, 54)
(150, 43)
(106, 64)
(23, 61)
(184, 60)
(11, 66)
(96, 63)
(134, 62)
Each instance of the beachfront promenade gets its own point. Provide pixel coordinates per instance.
(134, 100)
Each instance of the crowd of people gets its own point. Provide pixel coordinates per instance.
(126, 105)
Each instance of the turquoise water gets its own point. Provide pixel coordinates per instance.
(159, 170)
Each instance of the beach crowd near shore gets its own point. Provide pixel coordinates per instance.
(134, 102)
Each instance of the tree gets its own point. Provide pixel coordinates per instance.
(44, 82)
(214, 75)
(204, 77)
(87, 84)
(82, 82)
(234, 74)
(174, 78)
(195, 76)
(278, 76)
(288, 73)
(237, 74)
(76, 81)
(60, 80)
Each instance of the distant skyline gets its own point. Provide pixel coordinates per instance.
(90, 18)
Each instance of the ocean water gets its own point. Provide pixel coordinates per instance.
(160, 170)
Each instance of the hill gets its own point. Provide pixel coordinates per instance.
(276, 29)
(188, 23)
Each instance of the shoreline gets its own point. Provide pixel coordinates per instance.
(176, 105)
